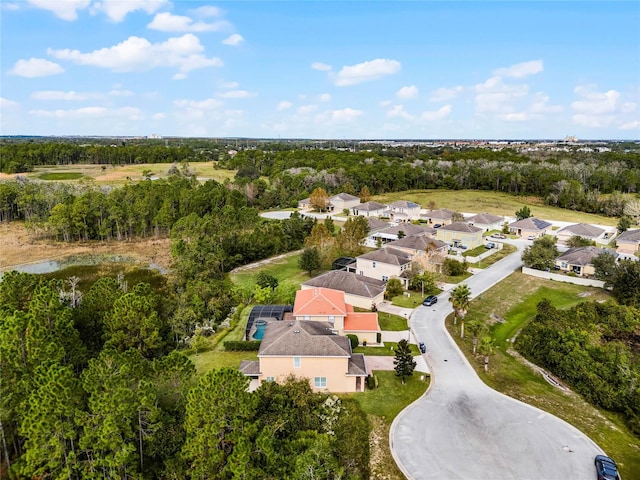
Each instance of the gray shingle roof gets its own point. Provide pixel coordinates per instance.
(303, 338)
(441, 214)
(357, 365)
(531, 223)
(345, 197)
(583, 255)
(485, 219)
(629, 236)
(418, 243)
(404, 204)
(370, 206)
(376, 224)
(348, 282)
(391, 256)
(582, 230)
(250, 367)
(461, 227)
(409, 230)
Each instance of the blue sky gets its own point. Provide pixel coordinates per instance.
(323, 69)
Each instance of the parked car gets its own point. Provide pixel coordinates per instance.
(422, 347)
(606, 468)
(498, 235)
(489, 245)
(531, 237)
(437, 225)
(430, 300)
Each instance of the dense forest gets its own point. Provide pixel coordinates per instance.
(593, 347)
(97, 390)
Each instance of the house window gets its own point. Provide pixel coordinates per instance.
(565, 264)
(307, 317)
(320, 382)
(385, 278)
(296, 362)
(270, 379)
(374, 264)
(361, 272)
(332, 319)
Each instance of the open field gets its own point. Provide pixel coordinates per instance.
(120, 174)
(508, 374)
(474, 201)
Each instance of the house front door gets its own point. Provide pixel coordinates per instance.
(358, 384)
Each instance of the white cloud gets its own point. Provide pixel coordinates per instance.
(366, 71)
(521, 70)
(208, 104)
(167, 22)
(64, 9)
(345, 115)
(399, 111)
(116, 10)
(493, 96)
(284, 105)
(539, 105)
(60, 95)
(9, 6)
(179, 76)
(323, 67)
(116, 92)
(407, 92)
(233, 40)
(228, 85)
(439, 114)
(5, 103)
(237, 94)
(35, 67)
(599, 109)
(632, 125)
(138, 54)
(515, 117)
(385, 103)
(208, 11)
(307, 109)
(325, 97)
(445, 94)
(159, 116)
(129, 113)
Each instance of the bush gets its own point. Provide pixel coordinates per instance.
(354, 340)
(371, 383)
(379, 337)
(453, 267)
(242, 346)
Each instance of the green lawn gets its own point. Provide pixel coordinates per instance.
(388, 350)
(412, 301)
(492, 202)
(56, 177)
(285, 269)
(509, 375)
(389, 322)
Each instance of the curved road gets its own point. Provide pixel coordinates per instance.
(462, 429)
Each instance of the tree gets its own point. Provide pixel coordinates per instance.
(541, 255)
(475, 327)
(310, 260)
(523, 213)
(460, 298)
(453, 267)
(331, 228)
(265, 280)
(350, 239)
(624, 224)
(486, 348)
(605, 266)
(578, 241)
(403, 361)
(632, 210)
(365, 194)
(457, 217)
(319, 199)
(394, 288)
(626, 283)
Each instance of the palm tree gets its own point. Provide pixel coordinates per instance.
(486, 348)
(475, 327)
(460, 298)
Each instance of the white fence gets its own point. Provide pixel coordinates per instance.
(563, 278)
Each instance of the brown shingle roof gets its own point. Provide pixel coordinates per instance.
(583, 255)
(418, 243)
(349, 283)
(582, 230)
(461, 227)
(629, 236)
(531, 223)
(409, 229)
(485, 219)
(392, 256)
(441, 214)
(370, 206)
(303, 338)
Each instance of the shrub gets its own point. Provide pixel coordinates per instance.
(354, 340)
(242, 346)
(379, 337)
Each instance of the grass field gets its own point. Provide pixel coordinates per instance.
(474, 201)
(511, 376)
(284, 268)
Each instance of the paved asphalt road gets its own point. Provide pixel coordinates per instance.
(462, 429)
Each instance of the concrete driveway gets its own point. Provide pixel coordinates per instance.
(462, 429)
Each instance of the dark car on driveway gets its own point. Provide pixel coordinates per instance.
(606, 468)
(430, 300)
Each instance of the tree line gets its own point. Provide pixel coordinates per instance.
(97, 390)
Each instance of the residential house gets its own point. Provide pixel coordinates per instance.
(529, 227)
(304, 204)
(385, 263)
(342, 201)
(376, 225)
(590, 232)
(460, 234)
(628, 242)
(486, 221)
(359, 291)
(370, 209)
(404, 211)
(329, 305)
(428, 253)
(441, 216)
(391, 233)
(307, 349)
(579, 260)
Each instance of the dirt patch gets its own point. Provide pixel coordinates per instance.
(18, 246)
(381, 462)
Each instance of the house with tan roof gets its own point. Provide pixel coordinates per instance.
(579, 260)
(584, 230)
(427, 252)
(529, 227)
(442, 216)
(337, 203)
(369, 209)
(460, 234)
(486, 221)
(359, 291)
(384, 264)
(307, 349)
(404, 211)
(628, 242)
(391, 233)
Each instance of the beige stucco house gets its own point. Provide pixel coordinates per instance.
(426, 252)
(628, 242)
(391, 233)
(486, 221)
(370, 209)
(384, 264)
(529, 227)
(442, 216)
(579, 260)
(359, 291)
(337, 203)
(584, 230)
(304, 204)
(460, 234)
(404, 211)
(307, 349)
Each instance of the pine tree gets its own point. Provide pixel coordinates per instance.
(404, 364)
